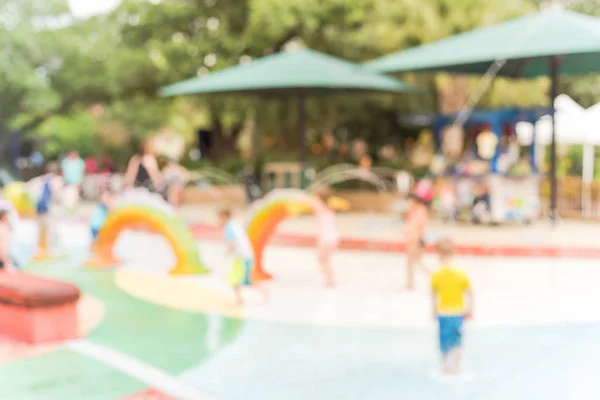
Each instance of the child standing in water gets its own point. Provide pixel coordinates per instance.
(328, 238)
(414, 229)
(238, 244)
(451, 289)
(49, 184)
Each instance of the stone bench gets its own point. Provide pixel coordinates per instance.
(37, 310)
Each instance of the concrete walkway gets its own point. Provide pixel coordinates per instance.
(579, 236)
(389, 227)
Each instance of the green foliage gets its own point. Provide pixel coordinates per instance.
(233, 165)
(74, 131)
(572, 164)
(575, 157)
(53, 69)
(139, 115)
(584, 90)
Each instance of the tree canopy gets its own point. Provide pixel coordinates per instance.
(58, 71)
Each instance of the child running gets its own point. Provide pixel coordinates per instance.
(5, 242)
(238, 244)
(451, 289)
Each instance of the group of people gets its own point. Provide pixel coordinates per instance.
(145, 171)
(451, 292)
(239, 243)
(64, 181)
(452, 300)
(72, 169)
(465, 195)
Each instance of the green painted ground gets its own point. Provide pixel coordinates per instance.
(168, 339)
(63, 375)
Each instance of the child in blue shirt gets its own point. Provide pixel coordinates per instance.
(43, 210)
(100, 214)
(43, 204)
(238, 244)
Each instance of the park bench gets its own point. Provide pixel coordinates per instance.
(37, 310)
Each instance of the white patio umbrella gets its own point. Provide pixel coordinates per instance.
(571, 123)
(592, 140)
(571, 126)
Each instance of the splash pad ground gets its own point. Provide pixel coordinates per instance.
(155, 336)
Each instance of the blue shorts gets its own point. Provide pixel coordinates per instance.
(240, 273)
(94, 232)
(450, 332)
(248, 263)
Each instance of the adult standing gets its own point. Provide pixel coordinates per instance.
(91, 165)
(73, 170)
(107, 170)
(107, 165)
(143, 170)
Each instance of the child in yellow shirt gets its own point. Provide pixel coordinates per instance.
(452, 304)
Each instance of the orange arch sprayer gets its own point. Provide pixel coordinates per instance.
(154, 219)
(268, 213)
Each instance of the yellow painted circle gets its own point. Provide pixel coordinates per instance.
(177, 293)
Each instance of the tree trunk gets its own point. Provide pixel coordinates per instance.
(284, 135)
(331, 121)
(224, 140)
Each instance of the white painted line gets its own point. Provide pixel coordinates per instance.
(154, 377)
(213, 335)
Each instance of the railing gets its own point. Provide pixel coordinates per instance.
(94, 184)
(575, 200)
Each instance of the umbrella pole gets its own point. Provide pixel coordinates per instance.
(553, 182)
(254, 139)
(301, 128)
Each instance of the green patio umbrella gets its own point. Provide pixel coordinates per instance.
(550, 42)
(299, 74)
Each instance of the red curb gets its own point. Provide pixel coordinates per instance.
(149, 394)
(210, 232)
